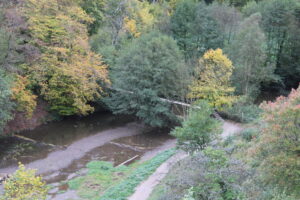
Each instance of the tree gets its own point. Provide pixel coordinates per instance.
(149, 68)
(67, 74)
(248, 53)
(182, 24)
(5, 103)
(194, 29)
(26, 101)
(198, 130)
(277, 149)
(228, 19)
(24, 185)
(123, 21)
(280, 22)
(95, 9)
(212, 79)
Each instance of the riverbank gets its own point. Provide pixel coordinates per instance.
(102, 137)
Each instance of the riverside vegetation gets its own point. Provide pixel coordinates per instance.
(65, 58)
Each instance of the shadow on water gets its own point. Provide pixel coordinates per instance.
(72, 129)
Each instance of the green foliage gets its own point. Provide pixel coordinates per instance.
(280, 23)
(24, 185)
(5, 104)
(3, 44)
(189, 195)
(242, 111)
(217, 186)
(194, 29)
(228, 19)
(248, 53)
(149, 68)
(103, 181)
(94, 9)
(249, 134)
(210, 174)
(198, 130)
(100, 176)
(125, 188)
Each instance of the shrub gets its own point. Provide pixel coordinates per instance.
(189, 195)
(249, 134)
(242, 111)
(198, 130)
(24, 185)
(210, 173)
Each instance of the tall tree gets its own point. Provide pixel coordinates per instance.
(194, 29)
(212, 80)
(149, 68)
(67, 74)
(228, 18)
(248, 53)
(182, 22)
(280, 25)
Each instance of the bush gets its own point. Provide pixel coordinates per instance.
(219, 183)
(242, 111)
(249, 134)
(198, 130)
(24, 185)
(209, 174)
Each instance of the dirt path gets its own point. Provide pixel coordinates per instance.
(144, 190)
(63, 158)
(230, 128)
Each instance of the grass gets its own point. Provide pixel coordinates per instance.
(105, 182)
(101, 175)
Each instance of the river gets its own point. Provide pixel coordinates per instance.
(64, 148)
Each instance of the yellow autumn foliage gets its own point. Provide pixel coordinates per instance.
(212, 81)
(130, 26)
(67, 74)
(24, 185)
(141, 19)
(26, 101)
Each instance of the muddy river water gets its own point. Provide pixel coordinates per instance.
(63, 148)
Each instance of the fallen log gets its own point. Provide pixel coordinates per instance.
(32, 141)
(127, 161)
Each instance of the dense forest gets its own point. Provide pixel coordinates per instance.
(137, 57)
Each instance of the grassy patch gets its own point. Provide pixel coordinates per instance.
(126, 187)
(101, 175)
(105, 182)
